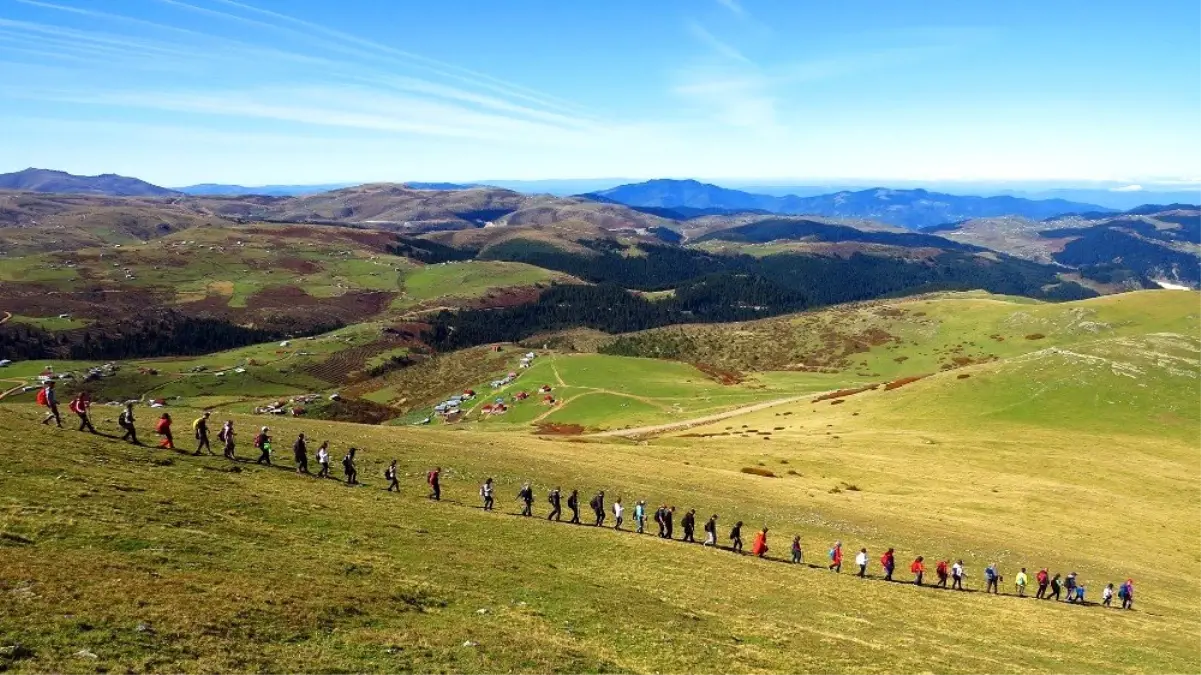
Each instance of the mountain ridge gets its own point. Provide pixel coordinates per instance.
(910, 208)
(50, 180)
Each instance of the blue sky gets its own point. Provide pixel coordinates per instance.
(315, 91)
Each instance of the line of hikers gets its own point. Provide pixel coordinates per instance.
(1049, 587)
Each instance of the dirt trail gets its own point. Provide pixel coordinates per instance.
(697, 421)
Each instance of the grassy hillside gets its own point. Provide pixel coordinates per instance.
(457, 282)
(890, 339)
(196, 565)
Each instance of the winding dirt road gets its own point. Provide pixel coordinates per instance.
(697, 421)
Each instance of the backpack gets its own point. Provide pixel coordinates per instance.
(388, 473)
(1122, 591)
(831, 554)
(196, 425)
(942, 567)
(221, 435)
(162, 427)
(43, 400)
(431, 477)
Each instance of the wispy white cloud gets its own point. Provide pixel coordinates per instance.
(716, 44)
(734, 6)
(341, 81)
(1127, 188)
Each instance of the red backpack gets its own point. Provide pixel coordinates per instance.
(42, 399)
(942, 567)
(163, 426)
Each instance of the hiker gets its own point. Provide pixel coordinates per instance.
(1020, 583)
(598, 508)
(711, 531)
(300, 450)
(1107, 595)
(957, 575)
(348, 467)
(390, 476)
(836, 557)
(861, 561)
(226, 436)
(47, 398)
(992, 578)
(1126, 594)
(759, 546)
(941, 571)
(918, 568)
(126, 422)
(797, 553)
(263, 443)
(1043, 579)
(486, 493)
(526, 497)
(80, 406)
(1055, 587)
(163, 428)
(659, 519)
(1069, 587)
(736, 538)
(555, 497)
(640, 516)
(688, 522)
(668, 522)
(323, 460)
(200, 429)
(1080, 594)
(434, 478)
(618, 511)
(573, 503)
(889, 562)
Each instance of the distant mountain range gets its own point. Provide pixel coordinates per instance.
(223, 190)
(912, 209)
(46, 180)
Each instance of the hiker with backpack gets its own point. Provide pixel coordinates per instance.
(598, 508)
(434, 479)
(47, 399)
(323, 460)
(486, 491)
(200, 429)
(348, 467)
(226, 436)
(711, 531)
(262, 442)
(918, 569)
(300, 451)
(889, 562)
(618, 511)
(80, 406)
(1019, 583)
(736, 538)
(797, 553)
(759, 545)
(163, 428)
(640, 516)
(992, 579)
(861, 561)
(1043, 580)
(1069, 587)
(555, 498)
(669, 525)
(836, 557)
(941, 571)
(526, 497)
(573, 503)
(958, 573)
(390, 476)
(1126, 594)
(126, 422)
(688, 522)
(1055, 588)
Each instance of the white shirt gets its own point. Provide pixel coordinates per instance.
(861, 558)
(957, 570)
(322, 456)
(618, 509)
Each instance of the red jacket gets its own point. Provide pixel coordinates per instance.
(163, 426)
(917, 566)
(837, 555)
